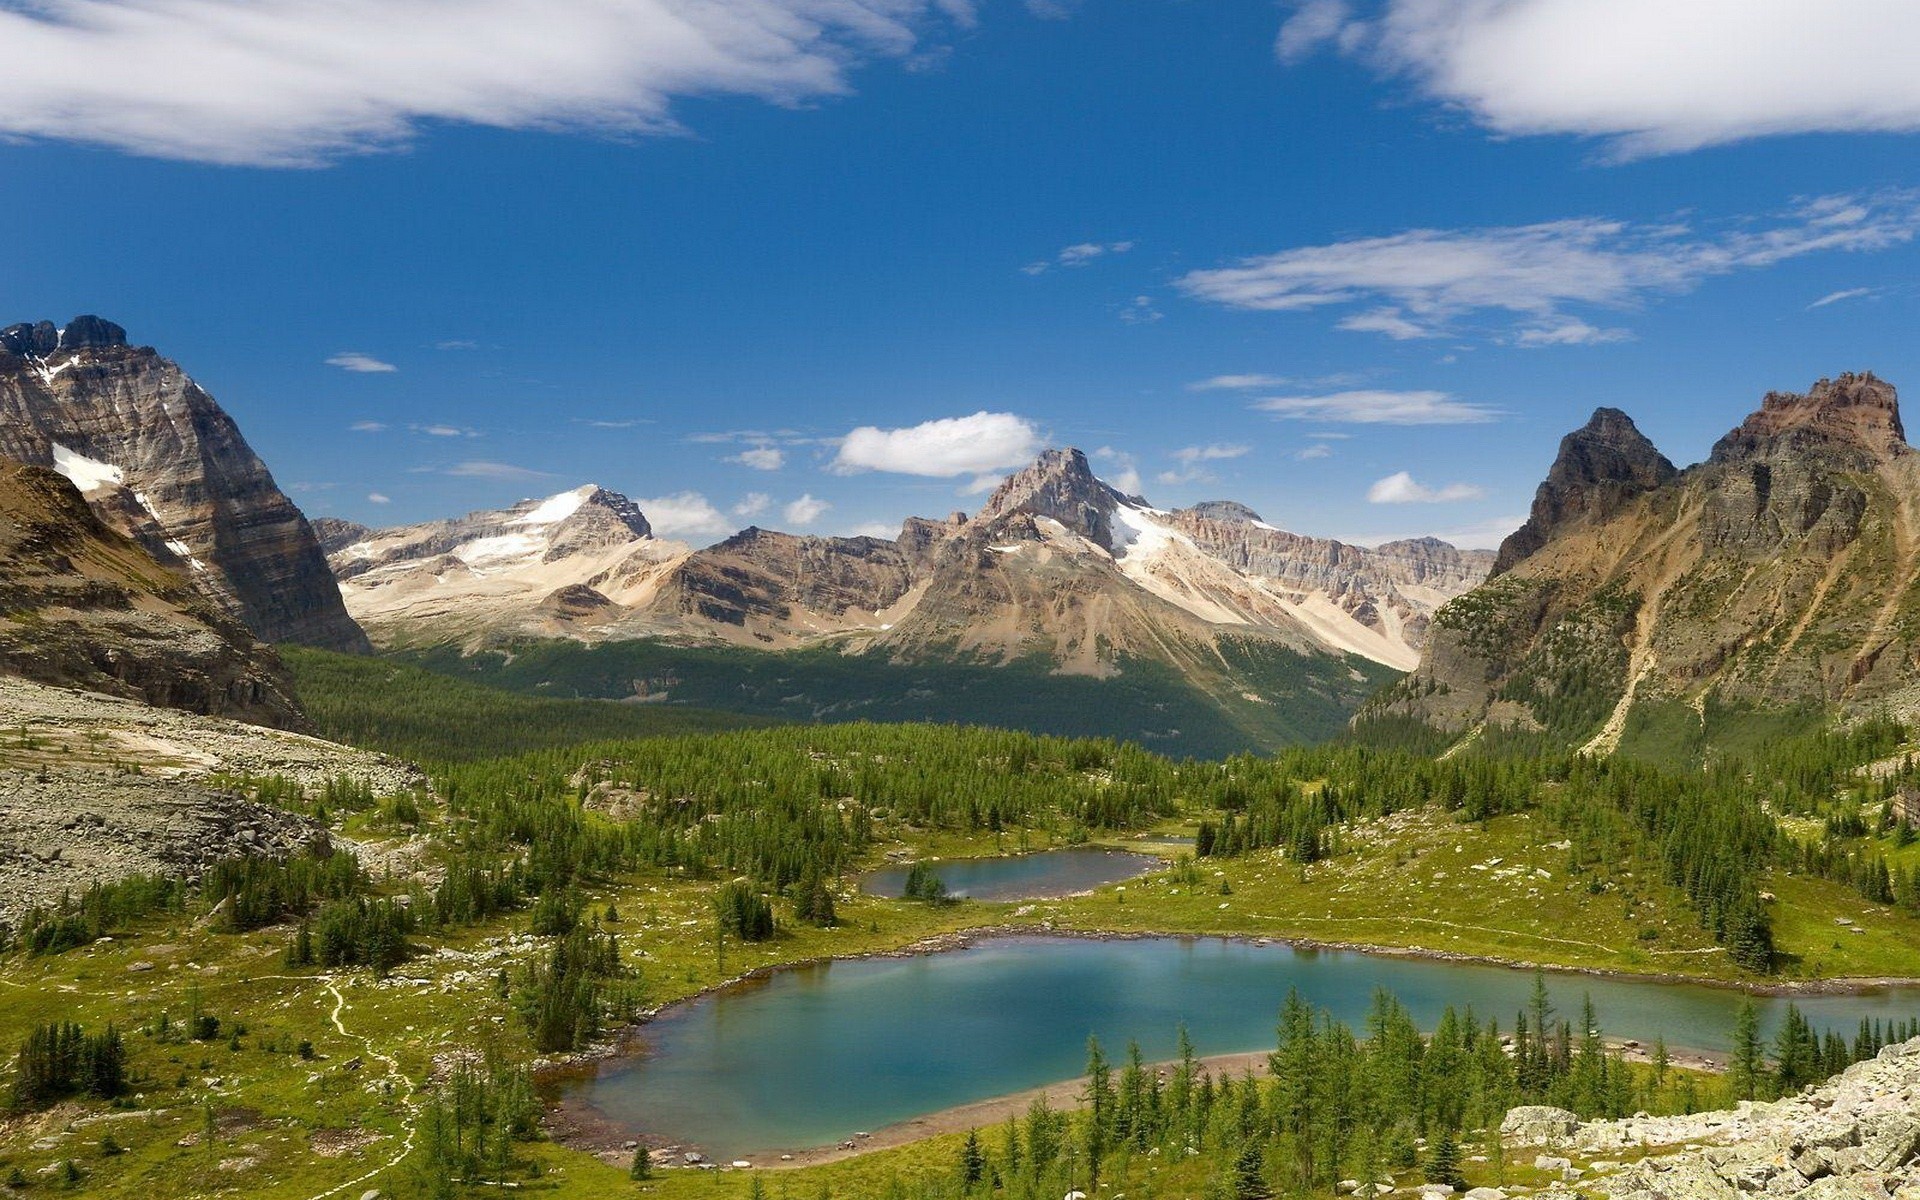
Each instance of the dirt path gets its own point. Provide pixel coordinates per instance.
(408, 1122)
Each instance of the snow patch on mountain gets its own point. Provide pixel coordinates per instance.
(87, 474)
(555, 509)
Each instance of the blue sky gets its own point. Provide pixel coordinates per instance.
(821, 264)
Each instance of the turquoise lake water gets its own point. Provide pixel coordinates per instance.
(810, 1055)
(1022, 876)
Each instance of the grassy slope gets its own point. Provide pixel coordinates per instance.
(1303, 699)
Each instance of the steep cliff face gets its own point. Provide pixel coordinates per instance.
(84, 606)
(1782, 572)
(159, 461)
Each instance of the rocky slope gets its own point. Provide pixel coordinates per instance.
(159, 461)
(1855, 1137)
(84, 606)
(70, 814)
(1783, 571)
(1057, 565)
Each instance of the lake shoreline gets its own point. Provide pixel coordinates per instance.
(578, 1127)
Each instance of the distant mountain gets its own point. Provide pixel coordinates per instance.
(1057, 564)
(1649, 604)
(84, 606)
(158, 460)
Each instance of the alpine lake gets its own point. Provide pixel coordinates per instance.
(810, 1055)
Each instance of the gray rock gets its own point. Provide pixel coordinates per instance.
(1538, 1125)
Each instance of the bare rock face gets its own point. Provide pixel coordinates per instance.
(1060, 486)
(158, 460)
(81, 605)
(1781, 572)
(1600, 467)
(780, 586)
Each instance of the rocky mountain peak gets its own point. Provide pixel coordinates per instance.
(1061, 486)
(585, 519)
(1230, 511)
(1858, 412)
(41, 338)
(159, 461)
(1600, 468)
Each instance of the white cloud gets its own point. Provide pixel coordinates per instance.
(368, 427)
(985, 441)
(493, 470)
(456, 344)
(805, 511)
(1379, 408)
(1837, 297)
(299, 82)
(445, 431)
(1140, 311)
(1401, 488)
(685, 514)
(379, 498)
(1124, 473)
(760, 458)
(752, 504)
(1317, 450)
(1525, 278)
(1651, 76)
(875, 529)
(1078, 255)
(346, 360)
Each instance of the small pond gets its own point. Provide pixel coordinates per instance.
(1037, 876)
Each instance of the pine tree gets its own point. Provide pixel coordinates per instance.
(1443, 1162)
(1745, 1064)
(973, 1160)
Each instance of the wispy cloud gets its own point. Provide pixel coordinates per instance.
(346, 360)
(379, 498)
(1140, 311)
(752, 505)
(1309, 453)
(1079, 254)
(1379, 408)
(684, 514)
(456, 344)
(944, 448)
(368, 427)
(301, 82)
(445, 431)
(1524, 281)
(1402, 488)
(1193, 460)
(875, 529)
(1122, 470)
(493, 470)
(1650, 76)
(1837, 297)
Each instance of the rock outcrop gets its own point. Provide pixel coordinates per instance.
(1855, 1137)
(1600, 468)
(82, 605)
(159, 461)
(1783, 572)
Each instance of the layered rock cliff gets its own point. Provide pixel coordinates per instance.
(1784, 571)
(83, 606)
(159, 461)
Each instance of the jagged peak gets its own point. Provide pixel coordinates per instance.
(1854, 409)
(1600, 467)
(38, 339)
(1060, 485)
(587, 505)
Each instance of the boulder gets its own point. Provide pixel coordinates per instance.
(1538, 1125)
